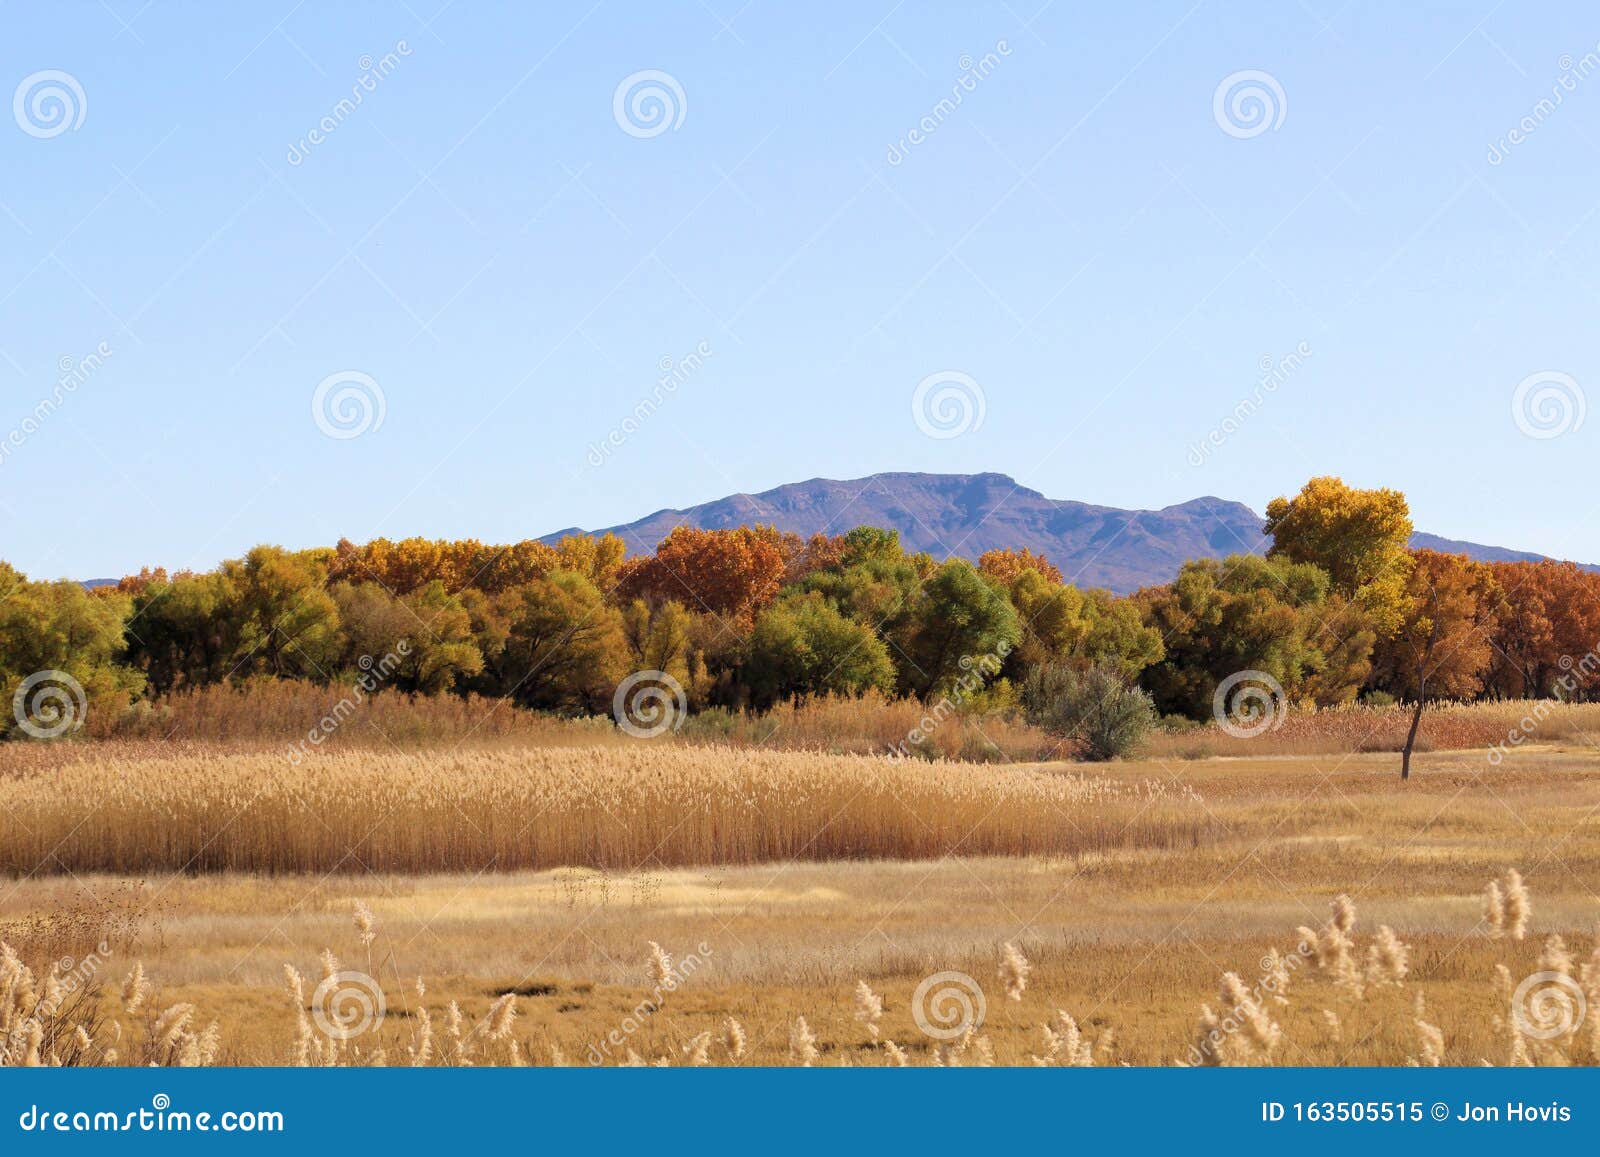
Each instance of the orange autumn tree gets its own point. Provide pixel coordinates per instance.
(732, 573)
(1549, 619)
(1005, 565)
(1442, 647)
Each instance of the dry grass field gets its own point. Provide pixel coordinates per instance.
(777, 883)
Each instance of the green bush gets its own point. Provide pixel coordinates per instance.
(1096, 707)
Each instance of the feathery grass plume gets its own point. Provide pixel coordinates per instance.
(1431, 1041)
(632, 1061)
(1014, 969)
(696, 1052)
(1554, 957)
(1052, 1047)
(170, 1024)
(422, 1049)
(983, 1053)
(500, 1016)
(869, 1008)
(514, 1051)
(1519, 906)
(1206, 1050)
(1075, 1051)
(803, 1042)
(1388, 959)
(1260, 1035)
(558, 1059)
(897, 1055)
(330, 964)
(733, 1038)
(452, 1020)
(1105, 1045)
(1344, 913)
(365, 929)
(1494, 910)
(82, 1037)
(422, 989)
(660, 966)
(135, 988)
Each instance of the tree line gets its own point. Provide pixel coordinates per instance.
(1338, 609)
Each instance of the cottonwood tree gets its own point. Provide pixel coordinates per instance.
(1442, 647)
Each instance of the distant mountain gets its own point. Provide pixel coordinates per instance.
(967, 514)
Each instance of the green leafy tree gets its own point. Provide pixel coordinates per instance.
(957, 614)
(802, 645)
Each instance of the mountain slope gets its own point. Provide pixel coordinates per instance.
(967, 514)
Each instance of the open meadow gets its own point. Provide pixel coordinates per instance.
(445, 880)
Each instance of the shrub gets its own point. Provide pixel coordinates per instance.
(1096, 707)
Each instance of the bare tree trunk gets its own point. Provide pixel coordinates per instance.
(1422, 692)
(1411, 737)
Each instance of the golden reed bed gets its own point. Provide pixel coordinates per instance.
(200, 810)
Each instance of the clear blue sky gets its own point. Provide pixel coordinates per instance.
(485, 241)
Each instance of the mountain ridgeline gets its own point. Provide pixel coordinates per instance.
(964, 515)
